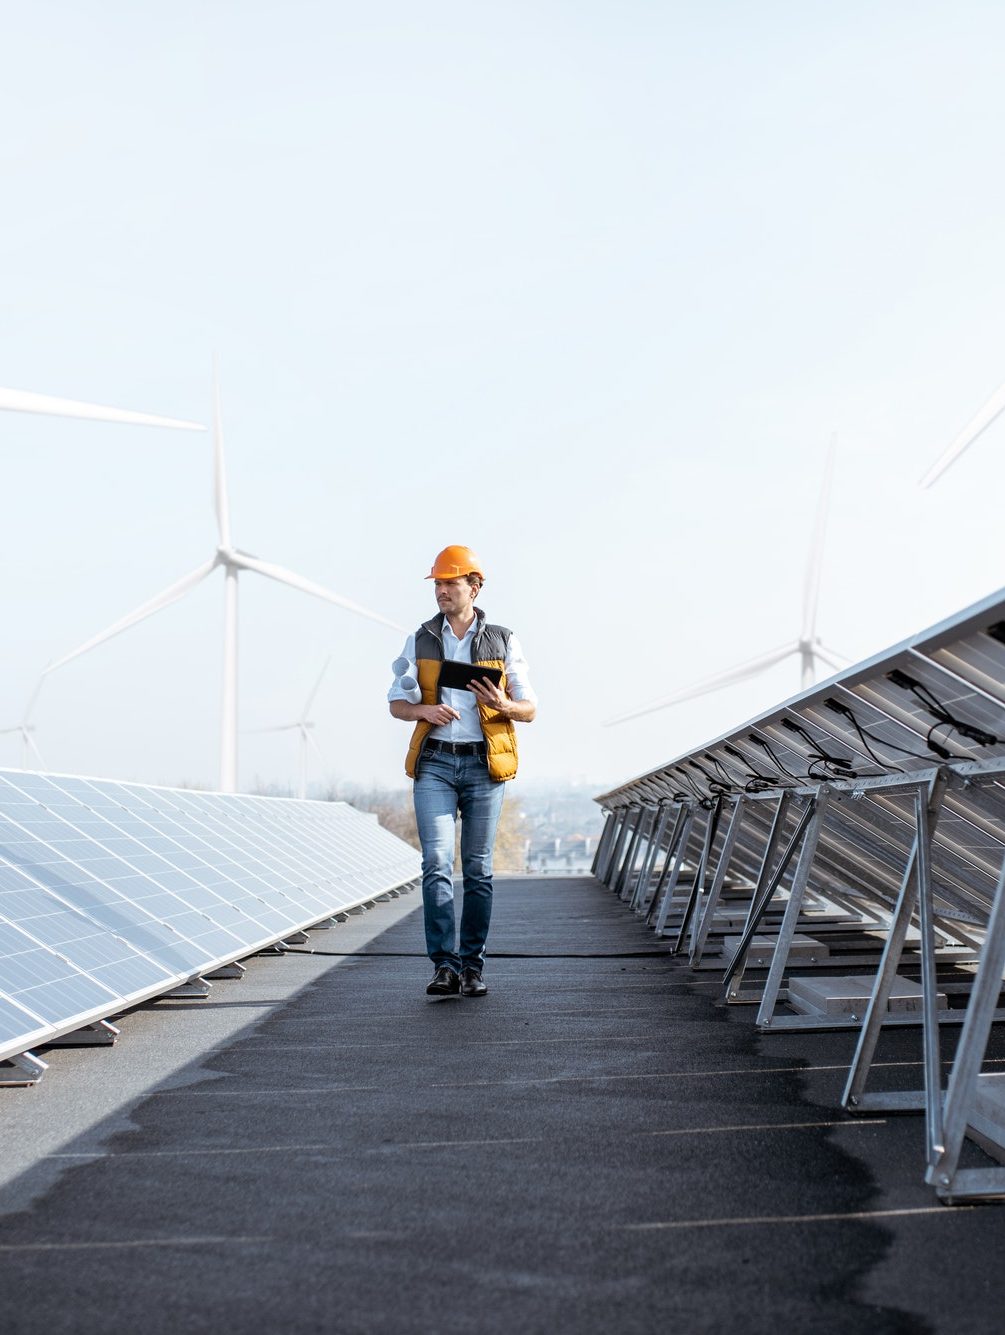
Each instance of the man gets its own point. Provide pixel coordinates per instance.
(462, 752)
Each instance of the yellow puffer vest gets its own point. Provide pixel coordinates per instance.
(488, 650)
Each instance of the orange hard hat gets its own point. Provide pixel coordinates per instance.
(456, 562)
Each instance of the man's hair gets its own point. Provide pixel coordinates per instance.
(475, 580)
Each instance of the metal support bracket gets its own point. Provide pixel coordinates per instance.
(232, 970)
(645, 876)
(698, 887)
(928, 795)
(674, 863)
(196, 989)
(765, 890)
(23, 1069)
(100, 1034)
(792, 910)
(960, 1112)
(706, 908)
(626, 867)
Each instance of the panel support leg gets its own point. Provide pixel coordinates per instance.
(854, 1098)
(764, 893)
(645, 875)
(633, 848)
(792, 910)
(708, 907)
(961, 1094)
(23, 1069)
(674, 863)
(698, 888)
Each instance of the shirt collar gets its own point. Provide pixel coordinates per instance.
(436, 625)
(471, 630)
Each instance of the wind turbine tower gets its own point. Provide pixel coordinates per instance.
(305, 727)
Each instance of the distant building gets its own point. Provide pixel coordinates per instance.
(558, 856)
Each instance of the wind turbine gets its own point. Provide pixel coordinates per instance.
(974, 428)
(304, 726)
(233, 561)
(808, 648)
(25, 729)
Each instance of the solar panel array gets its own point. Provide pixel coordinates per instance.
(112, 893)
(876, 800)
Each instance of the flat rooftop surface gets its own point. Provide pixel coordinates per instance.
(597, 1145)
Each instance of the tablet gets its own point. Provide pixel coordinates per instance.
(458, 676)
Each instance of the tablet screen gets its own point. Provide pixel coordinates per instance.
(458, 676)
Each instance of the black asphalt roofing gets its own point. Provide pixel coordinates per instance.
(595, 1146)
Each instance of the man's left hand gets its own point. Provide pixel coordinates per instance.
(488, 693)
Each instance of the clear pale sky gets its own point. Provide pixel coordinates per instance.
(587, 286)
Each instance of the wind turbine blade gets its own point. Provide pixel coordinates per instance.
(317, 684)
(814, 567)
(245, 562)
(220, 496)
(164, 599)
(282, 727)
(38, 754)
(31, 701)
(974, 428)
(19, 401)
(739, 673)
(317, 750)
(831, 657)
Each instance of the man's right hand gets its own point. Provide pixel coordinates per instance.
(438, 715)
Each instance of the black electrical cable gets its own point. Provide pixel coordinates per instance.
(836, 707)
(729, 778)
(766, 746)
(940, 713)
(495, 954)
(757, 783)
(715, 785)
(696, 791)
(835, 767)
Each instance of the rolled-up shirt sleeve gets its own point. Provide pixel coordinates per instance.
(518, 685)
(408, 653)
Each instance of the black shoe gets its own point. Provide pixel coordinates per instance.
(445, 982)
(471, 984)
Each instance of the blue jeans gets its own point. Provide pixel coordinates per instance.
(448, 786)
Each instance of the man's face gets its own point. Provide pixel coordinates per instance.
(454, 597)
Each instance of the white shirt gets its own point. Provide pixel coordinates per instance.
(467, 728)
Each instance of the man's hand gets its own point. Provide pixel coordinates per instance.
(438, 715)
(488, 693)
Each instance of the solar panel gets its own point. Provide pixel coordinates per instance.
(112, 893)
(876, 799)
